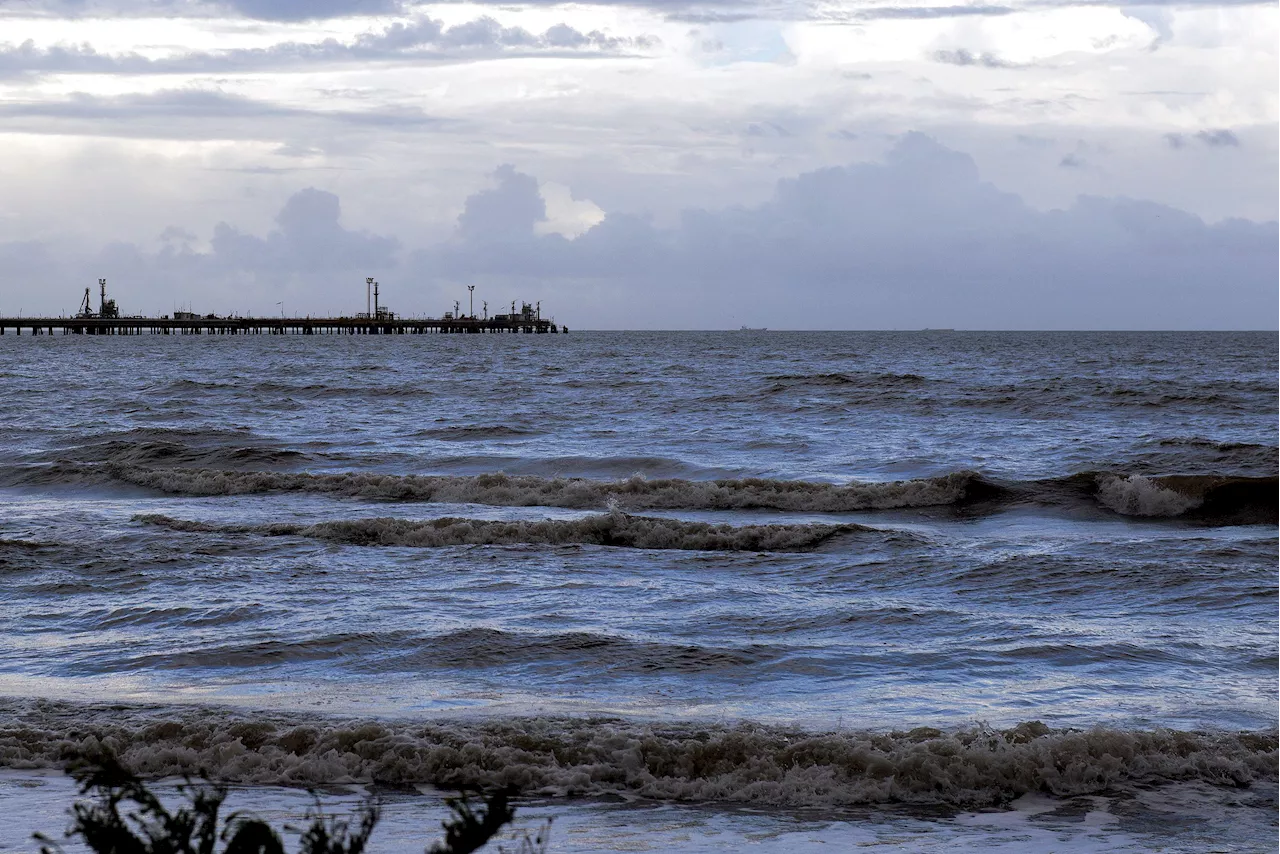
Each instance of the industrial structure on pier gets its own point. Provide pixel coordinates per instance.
(375, 320)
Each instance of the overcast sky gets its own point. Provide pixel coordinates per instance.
(851, 164)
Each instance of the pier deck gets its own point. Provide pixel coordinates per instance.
(270, 326)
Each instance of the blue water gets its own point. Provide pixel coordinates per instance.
(1072, 529)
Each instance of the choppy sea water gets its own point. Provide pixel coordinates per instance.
(691, 591)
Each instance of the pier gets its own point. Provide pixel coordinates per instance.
(378, 320)
(268, 326)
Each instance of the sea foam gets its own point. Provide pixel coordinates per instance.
(689, 762)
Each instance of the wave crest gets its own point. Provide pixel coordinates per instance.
(528, 490)
(607, 529)
(750, 763)
(1137, 495)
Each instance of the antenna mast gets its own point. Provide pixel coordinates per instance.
(368, 306)
(375, 299)
(472, 289)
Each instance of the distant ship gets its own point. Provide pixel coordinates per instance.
(754, 329)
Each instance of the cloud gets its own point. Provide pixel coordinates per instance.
(687, 11)
(291, 11)
(263, 10)
(304, 10)
(929, 13)
(309, 238)
(1072, 161)
(192, 114)
(506, 213)
(767, 129)
(919, 239)
(966, 57)
(423, 39)
(308, 257)
(1220, 138)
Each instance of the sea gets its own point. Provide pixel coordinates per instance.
(688, 591)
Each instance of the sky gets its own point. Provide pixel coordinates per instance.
(668, 164)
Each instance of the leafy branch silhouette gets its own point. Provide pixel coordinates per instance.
(123, 816)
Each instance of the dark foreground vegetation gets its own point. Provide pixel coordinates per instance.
(121, 815)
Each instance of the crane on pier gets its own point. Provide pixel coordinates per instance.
(107, 308)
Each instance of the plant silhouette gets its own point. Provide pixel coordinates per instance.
(124, 816)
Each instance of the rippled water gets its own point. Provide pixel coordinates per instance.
(833, 576)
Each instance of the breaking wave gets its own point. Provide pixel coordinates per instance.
(1211, 499)
(608, 529)
(1141, 496)
(576, 493)
(688, 762)
(1200, 498)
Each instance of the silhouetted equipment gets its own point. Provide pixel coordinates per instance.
(379, 320)
(528, 314)
(106, 307)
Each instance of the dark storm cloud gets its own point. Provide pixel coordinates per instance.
(424, 39)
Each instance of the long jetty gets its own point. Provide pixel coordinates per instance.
(274, 325)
